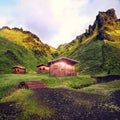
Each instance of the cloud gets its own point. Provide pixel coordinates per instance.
(3, 20)
(37, 17)
(94, 6)
(70, 22)
(54, 21)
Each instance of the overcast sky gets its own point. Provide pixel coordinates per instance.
(55, 22)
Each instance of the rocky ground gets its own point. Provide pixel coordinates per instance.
(9, 111)
(69, 105)
(72, 105)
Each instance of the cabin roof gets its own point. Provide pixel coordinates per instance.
(42, 65)
(18, 67)
(63, 58)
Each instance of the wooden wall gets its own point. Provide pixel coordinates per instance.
(62, 69)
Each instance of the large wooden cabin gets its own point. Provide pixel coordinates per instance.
(62, 67)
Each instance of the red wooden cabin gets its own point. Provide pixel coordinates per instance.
(18, 70)
(62, 67)
(42, 68)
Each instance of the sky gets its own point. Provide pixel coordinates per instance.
(55, 22)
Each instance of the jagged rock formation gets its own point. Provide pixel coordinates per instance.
(104, 20)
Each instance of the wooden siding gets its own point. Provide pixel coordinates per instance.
(62, 68)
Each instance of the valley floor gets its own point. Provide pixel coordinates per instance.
(60, 101)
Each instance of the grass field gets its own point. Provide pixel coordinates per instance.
(81, 83)
(8, 82)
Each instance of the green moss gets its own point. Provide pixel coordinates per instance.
(112, 57)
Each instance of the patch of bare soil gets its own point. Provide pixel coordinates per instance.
(9, 111)
(72, 105)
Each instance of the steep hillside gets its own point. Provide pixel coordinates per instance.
(18, 47)
(98, 49)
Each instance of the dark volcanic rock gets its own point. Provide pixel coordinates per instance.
(9, 111)
(112, 14)
(108, 17)
(102, 35)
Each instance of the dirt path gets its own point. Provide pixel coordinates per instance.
(72, 105)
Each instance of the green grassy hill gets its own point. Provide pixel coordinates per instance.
(18, 47)
(98, 49)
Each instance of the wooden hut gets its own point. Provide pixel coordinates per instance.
(18, 70)
(62, 67)
(42, 68)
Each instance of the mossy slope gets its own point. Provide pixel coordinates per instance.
(98, 49)
(18, 47)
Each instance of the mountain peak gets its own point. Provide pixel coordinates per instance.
(111, 12)
(105, 21)
(108, 17)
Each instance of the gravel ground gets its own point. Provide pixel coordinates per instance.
(72, 105)
(9, 111)
(69, 105)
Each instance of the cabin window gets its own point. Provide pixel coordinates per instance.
(43, 68)
(39, 68)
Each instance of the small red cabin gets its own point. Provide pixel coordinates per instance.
(62, 67)
(42, 68)
(18, 70)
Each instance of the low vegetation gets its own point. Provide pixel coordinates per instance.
(10, 81)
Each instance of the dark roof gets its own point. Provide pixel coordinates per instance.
(18, 67)
(63, 58)
(42, 65)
